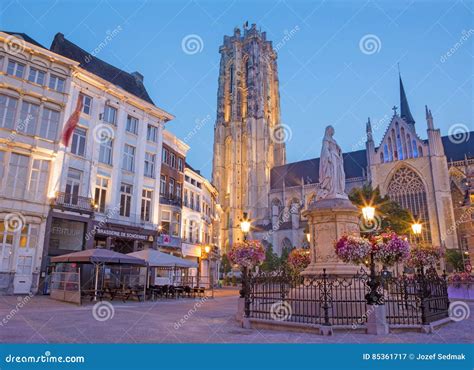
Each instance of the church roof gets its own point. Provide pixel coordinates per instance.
(455, 149)
(130, 82)
(355, 163)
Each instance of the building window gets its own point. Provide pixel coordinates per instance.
(7, 111)
(17, 175)
(125, 199)
(147, 197)
(173, 160)
(56, 83)
(39, 179)
(175, 224)
(86, 104)
(105, 151)
(162, 184)
(198, 203)
(36, 76)
(178, 190)
(185, 198)
(6, 247)
(73, 185)
(152, 133)
(28, 118)
(407, 189)
(129, 158)
(100, 197)
(171, 188)
(132, 125)
(180, 164)
(15, 69)
(191, 203)
(149, 165)
(165, 155)
(49, 124)
(78, 145)
(110, 115)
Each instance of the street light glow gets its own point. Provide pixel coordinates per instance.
(369, 213)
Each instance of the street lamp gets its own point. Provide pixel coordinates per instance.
(307, 234)
(245, 225)
(369, 214)
(373, 297)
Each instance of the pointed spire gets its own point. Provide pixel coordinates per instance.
(368, 130)
(429, 118)
(404, 107)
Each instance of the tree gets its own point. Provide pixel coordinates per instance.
(271, 260)
(284, 255)
(454, 258)
(391, 215)
(226, 266)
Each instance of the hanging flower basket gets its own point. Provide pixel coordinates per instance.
(424, 255)
(353, 249)
(389, 248)
(247, 254)
(299, 259)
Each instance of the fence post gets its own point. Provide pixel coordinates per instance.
(422, 295)
(326, 328)
(325, 297)
(246, 291)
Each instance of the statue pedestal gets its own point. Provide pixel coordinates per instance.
(328, 220)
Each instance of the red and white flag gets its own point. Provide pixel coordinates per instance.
(72, 122)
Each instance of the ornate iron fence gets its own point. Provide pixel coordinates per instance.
(331, 300)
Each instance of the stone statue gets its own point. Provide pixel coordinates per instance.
(331, 169)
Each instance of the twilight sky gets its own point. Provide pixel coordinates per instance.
(337, 62)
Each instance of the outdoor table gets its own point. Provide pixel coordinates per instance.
(92, 294)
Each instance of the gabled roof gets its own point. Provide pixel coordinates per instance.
(355, 163)
(25, 37)
(132, 83)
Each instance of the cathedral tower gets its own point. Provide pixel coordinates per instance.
(247, 141)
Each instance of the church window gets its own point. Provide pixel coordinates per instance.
(381, 157)
(409, 147)
(385, 153)
(420, 151)
(407, 189)
(231, 78)
(390, 150)
(415, 150)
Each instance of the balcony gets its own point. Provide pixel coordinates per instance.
(71, 202)
(170, 201)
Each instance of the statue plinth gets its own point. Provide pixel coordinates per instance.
(328, 220)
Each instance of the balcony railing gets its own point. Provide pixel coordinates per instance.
(73, 202)
(170, 201)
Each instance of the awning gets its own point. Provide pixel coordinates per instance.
(99, 255)
(159, 259)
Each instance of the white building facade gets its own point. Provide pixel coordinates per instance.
(35, 89)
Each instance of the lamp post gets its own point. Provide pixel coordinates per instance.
(373, 297)
(244, 292)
